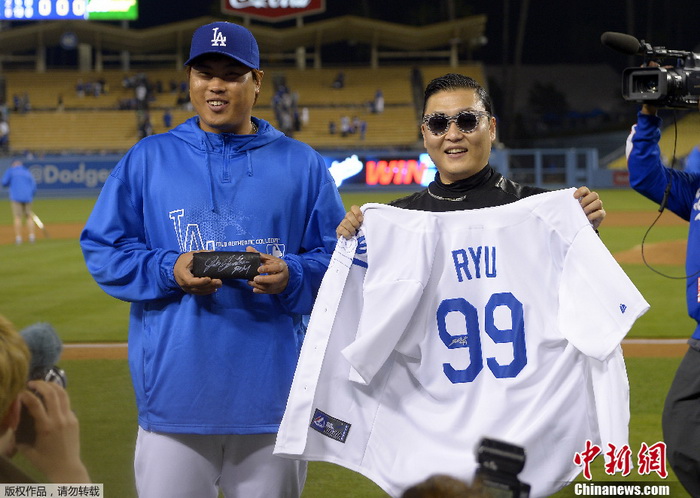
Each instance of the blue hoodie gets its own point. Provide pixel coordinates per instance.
(223, 363)
(649, 177)
(21, 183)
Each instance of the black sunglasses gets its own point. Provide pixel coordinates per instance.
(467, 121)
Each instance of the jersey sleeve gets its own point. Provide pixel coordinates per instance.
(612, 398)
(393, 286)
(598, 303)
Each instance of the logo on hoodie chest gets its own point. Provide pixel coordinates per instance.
(189, 238)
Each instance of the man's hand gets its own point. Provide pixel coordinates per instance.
(274, 274)
(649, 109)
(200, 286)
(350, 224)
(56, 450)
(592, 205)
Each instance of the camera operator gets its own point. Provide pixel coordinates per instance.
(56, 450)
(679, 191)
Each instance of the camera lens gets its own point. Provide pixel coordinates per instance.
(646, 84)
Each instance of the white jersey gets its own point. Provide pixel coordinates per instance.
(432, 331)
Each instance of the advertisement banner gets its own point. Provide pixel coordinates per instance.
(71, 173)
(272, 10)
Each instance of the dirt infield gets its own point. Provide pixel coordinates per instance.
(658, 348)
(106, 351)
(55, 231)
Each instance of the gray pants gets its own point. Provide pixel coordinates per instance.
(681, 421)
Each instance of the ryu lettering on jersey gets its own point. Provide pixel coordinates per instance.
(189, 238)
(476, 258)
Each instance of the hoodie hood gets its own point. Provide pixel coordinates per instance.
(226, 146)
(190, 132)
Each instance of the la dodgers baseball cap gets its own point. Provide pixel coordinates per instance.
(228, 39)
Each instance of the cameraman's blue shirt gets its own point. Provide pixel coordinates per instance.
(649, 177)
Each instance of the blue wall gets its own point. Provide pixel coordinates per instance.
(84, 175)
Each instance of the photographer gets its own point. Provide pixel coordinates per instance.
(56, 450)
(649, 177)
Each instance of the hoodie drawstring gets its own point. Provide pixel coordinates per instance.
(212, 202)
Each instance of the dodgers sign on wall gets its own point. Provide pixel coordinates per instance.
(272, 10)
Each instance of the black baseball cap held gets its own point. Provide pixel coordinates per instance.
(226, 38)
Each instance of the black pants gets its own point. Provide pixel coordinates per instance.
(681, 421)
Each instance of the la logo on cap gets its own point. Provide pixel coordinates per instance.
(219, 39)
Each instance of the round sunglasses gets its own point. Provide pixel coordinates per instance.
(467, 121)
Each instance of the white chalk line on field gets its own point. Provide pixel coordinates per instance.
(98, 345)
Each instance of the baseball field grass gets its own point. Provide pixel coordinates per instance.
(47, 281)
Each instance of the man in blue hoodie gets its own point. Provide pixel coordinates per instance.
(22, 189)
(212, 360)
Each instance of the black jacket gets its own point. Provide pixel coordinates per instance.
(485, 189)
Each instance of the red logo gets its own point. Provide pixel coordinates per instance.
(649, 459)
(273, 10)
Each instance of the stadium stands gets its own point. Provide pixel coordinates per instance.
(95, 123)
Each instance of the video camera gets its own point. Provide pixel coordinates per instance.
(674, 84)
(499, 466)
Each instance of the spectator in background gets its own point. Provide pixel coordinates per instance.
(167, 119)
(145, 126)
(22, 189)
(141, 94)
(339, 81)
(56, 450)
(4, 136)
(331, 127)
(183, 100)
(284, 105)
(378, 101)
(80, 88)
(344, 126)
(26, 103)
(355, 126)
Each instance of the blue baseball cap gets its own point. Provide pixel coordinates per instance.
(225, 38)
